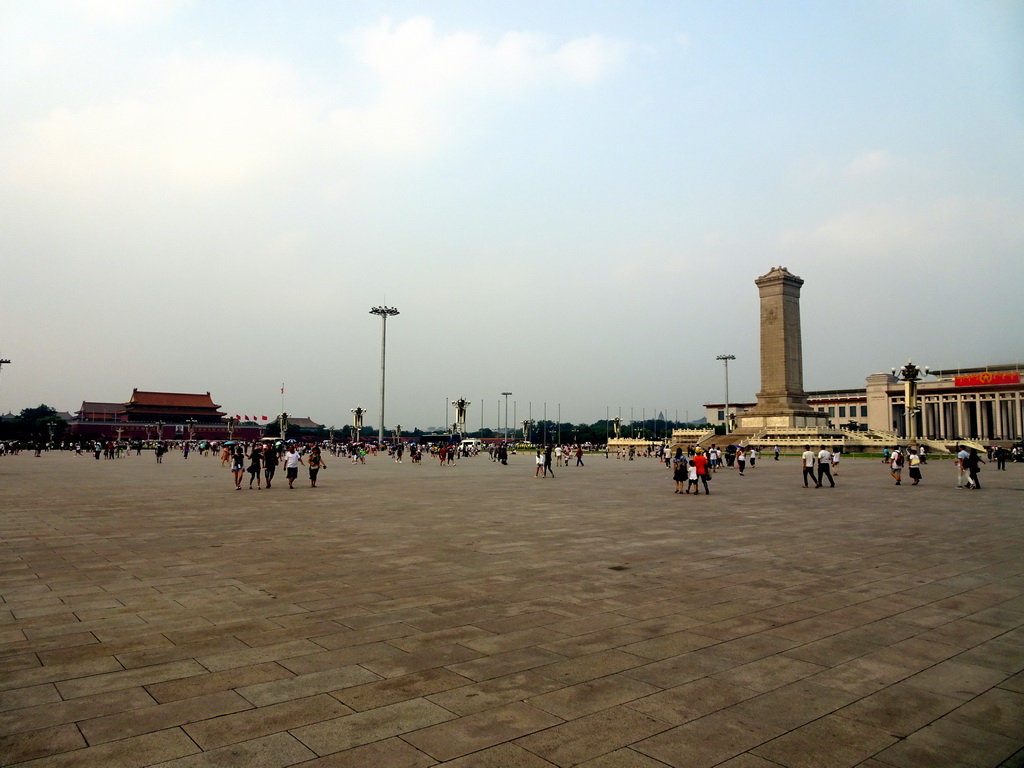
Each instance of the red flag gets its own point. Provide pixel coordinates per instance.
(237, 417)
(247, 418)
(282, 389)
(263, 417)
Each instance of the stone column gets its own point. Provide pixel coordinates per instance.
(782, 368)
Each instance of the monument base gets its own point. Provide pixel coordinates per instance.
(758, 420)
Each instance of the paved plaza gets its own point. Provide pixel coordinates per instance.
(405, 616)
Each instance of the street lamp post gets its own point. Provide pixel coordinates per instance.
(357, 422)
(384, 313)
(726, 359)
(282, 421)
(191, 429)
(505, 395)
(910, 374)
(461, 412)
(4, 362)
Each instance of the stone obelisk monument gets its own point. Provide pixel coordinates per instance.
(782, 402)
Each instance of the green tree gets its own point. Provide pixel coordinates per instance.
(35, 423)
(32, 415)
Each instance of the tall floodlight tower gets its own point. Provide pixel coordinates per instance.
(726, 359)
(384, 313)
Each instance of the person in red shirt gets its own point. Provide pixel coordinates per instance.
(701, 462)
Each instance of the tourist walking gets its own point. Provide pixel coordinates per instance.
(915, 468)
(752, 456)
(270, 461)
(835, 460)
(741, 459)
(808, 459)
(540, 463)
(238, 465)
(776, 449)
(547, 462)
(316, 463)
(962, 456)
(973, 468)
(291, 465)
(700, 463)
(691, 476)
(255, 460)
(679, 470)
(825, 467)
(896, 464)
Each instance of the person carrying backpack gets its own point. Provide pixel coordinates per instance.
(896, 464)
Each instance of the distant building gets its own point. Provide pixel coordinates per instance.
(304, 424)
(967, 403)
(171, 407)
(99, 412)
(152, 415)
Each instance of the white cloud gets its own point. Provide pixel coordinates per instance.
(216, 120)
(424, 77)
(200, 121)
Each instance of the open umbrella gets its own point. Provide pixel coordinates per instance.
(229, 442)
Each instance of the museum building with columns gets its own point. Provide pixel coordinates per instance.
(967, 403)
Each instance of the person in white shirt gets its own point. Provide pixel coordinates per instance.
(808, 464)
(825, 467)
(835, 460)
(961, 465)
(896, 464)
(291, 465)
(915, 467)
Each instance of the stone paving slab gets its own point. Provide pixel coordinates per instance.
(403, 615)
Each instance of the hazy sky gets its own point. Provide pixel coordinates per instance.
(566, 200)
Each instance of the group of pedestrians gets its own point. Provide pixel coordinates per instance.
(264, 461)
(968, 463)
(688, 471)
(826, 462)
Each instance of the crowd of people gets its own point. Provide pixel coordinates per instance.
(692, 468)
